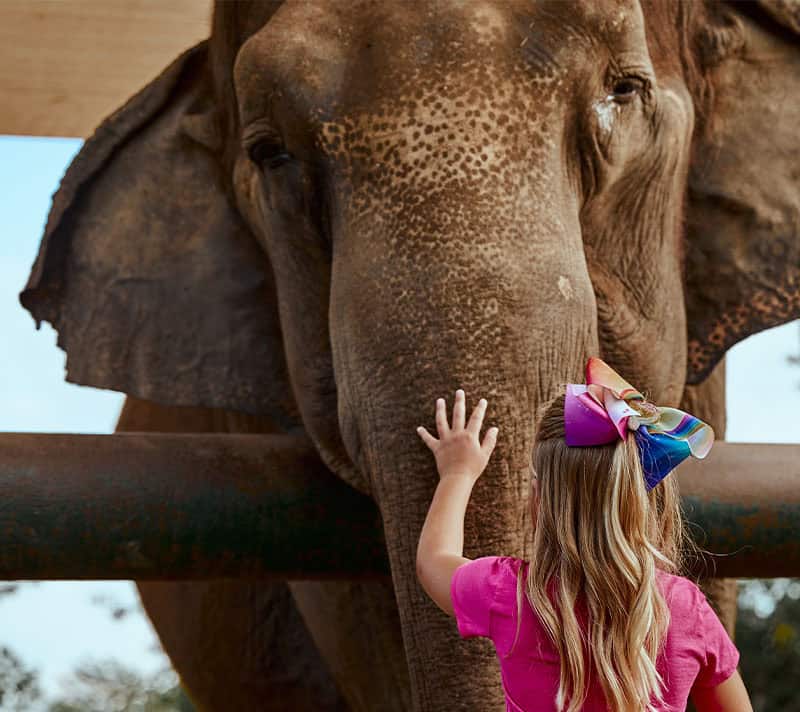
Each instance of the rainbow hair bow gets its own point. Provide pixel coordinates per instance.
(604, 409)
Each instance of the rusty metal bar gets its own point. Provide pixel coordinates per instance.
(743, 504)
(198, 506)
(188, 506)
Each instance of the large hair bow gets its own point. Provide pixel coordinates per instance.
(604, 409)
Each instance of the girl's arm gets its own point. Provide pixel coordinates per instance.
(441, 543)
(728, 696)
(460, 460)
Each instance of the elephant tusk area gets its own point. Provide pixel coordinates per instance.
(152, 506)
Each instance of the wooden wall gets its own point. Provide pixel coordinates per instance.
(66, 64)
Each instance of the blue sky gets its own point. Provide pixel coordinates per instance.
(34, 393)
(52, 625)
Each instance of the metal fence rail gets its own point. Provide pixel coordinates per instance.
(198, 506)
(164, 506)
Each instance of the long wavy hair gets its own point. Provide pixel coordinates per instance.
(599, 537)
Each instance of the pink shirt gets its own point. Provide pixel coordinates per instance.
(697, 650)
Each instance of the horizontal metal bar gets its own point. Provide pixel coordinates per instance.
(186, 506)
(152, 506)
(743, 503)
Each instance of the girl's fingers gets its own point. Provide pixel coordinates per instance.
(441, 418)
(459, 408)
(476, 419)
(489, 440)
(427, 438)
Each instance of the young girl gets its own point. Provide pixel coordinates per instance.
(598, 619)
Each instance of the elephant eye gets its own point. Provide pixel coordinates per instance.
(626, 89)
(269, 154)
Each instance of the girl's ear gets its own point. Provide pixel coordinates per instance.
(155, 285)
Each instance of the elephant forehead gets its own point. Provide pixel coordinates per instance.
(330, 57)
(296, 54)
(333, 58)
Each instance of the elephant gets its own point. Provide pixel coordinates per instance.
(330, 213)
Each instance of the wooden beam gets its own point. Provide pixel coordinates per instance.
(67, 64)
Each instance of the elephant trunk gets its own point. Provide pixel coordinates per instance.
(424, 303)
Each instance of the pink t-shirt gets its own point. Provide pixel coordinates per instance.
(697, 652)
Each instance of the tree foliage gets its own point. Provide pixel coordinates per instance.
(19, 689)
(768, 638)
(109, 686)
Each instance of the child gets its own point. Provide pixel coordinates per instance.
(598, 619)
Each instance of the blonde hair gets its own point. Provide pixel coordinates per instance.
(599, 537)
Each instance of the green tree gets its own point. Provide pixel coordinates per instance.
(109, 686)
(768, 638)
(19, 689)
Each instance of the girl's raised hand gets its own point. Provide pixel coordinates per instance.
(458, 451)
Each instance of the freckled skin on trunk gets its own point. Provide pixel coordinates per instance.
(402, 391)
(445, 326)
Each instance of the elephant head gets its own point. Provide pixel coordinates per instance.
(331, 213)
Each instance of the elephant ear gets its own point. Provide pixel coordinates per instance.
(743, 214)
(786, 12)
(151, 277)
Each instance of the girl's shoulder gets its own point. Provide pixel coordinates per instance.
(697, 631)
(482, 587)
(509, 567)
(684, 597)
(499, 574)
(676, 586)
(500, 569)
